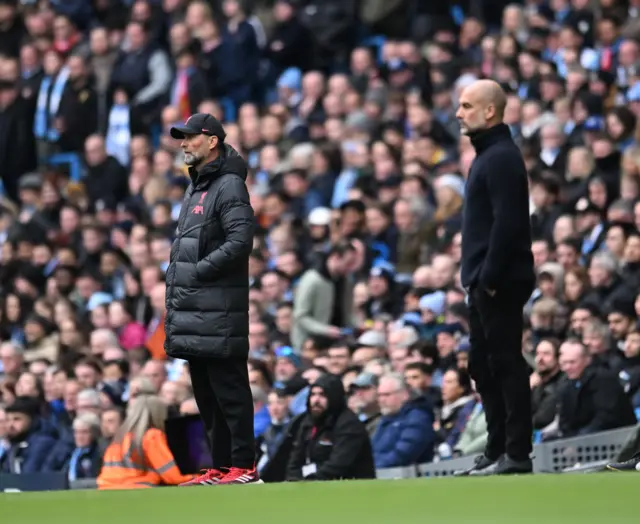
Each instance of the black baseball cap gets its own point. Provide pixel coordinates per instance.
(199, 124)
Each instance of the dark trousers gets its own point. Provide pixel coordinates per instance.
(500, 371)
(223, 395)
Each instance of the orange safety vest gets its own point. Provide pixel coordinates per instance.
(155, 343)
(125, 467)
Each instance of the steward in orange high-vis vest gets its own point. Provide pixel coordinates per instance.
(139, 456)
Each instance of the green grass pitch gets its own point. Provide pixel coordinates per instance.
(539, 499)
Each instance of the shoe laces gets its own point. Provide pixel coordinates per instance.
(235, 473)
(208, 474)
(479, 459)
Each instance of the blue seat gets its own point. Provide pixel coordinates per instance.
(229, 108)
(70, 159)
(377, 42)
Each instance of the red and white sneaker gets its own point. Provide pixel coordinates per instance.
(210, 477)
(241, 476)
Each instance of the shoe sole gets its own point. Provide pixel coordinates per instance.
(611, 468)
(196, 485)
(242, 484)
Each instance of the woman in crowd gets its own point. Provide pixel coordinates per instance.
(139, 456)
(458, 404)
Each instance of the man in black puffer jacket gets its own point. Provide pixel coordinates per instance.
(207, 320)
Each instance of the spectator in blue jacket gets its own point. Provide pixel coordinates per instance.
(28, 446)
(261, 417)
(405, 434)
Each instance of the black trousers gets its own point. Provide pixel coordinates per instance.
(499, 370)
(223, 395)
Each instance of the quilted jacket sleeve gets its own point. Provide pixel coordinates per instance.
(238, 225)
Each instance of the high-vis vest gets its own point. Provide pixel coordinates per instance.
(125, 467)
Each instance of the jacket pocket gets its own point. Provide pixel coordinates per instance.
(320, 453)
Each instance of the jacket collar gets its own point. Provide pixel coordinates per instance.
(482, 140)
(206, 172)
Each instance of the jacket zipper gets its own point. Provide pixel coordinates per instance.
(180, 235)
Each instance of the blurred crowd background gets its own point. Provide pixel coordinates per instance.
(345, 113)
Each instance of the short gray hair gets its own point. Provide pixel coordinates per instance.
(17, 348)
(417, 206)
(108, 334)
(89, 420)
(553, 123)
(90, 396)
(606, 261)
(408, 336)
(598, 328)
(397, 378)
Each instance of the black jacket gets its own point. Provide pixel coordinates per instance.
(338, 444)
(596, 402)
(208, 275)
(496, 234)
(17, 145)
(544, 401)
(108, 180)
(289, 46)
(79, 113)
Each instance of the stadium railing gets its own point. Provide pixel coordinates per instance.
(548, 457)
(559, 455)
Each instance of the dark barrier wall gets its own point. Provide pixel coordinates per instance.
(33, 482)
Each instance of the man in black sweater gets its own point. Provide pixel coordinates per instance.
(498, 274)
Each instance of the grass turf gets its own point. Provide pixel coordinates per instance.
(548, 499)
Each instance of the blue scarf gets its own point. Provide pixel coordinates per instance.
(48, 106)
(119, 133)
(589, 242)
(73, 462)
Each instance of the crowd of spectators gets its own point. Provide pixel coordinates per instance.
(345, 113)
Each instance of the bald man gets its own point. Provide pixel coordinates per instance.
(497, 272)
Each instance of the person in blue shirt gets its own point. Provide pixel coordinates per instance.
(261, 417)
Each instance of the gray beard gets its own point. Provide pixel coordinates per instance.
(192, 159)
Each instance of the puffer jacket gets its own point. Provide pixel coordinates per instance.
(405, 438)
(208, 276)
